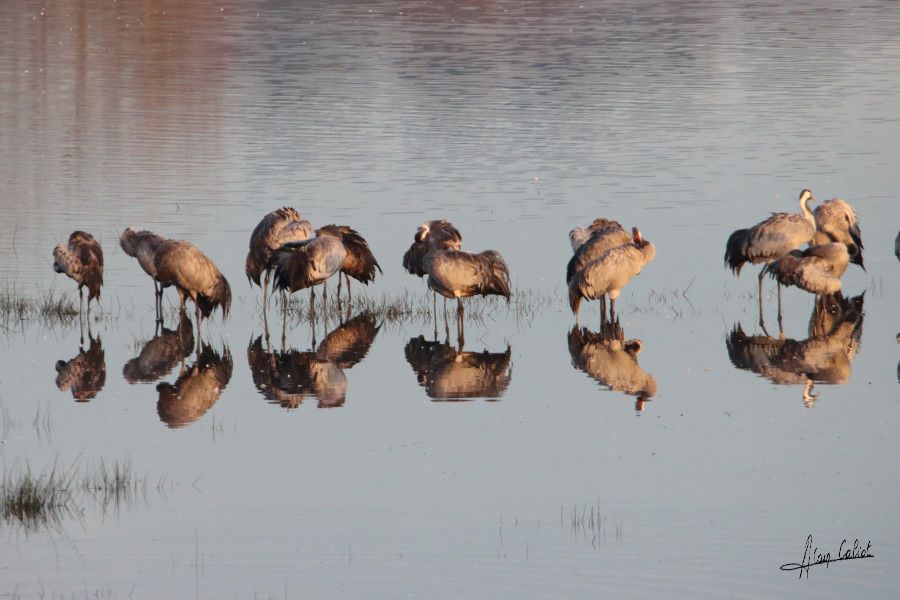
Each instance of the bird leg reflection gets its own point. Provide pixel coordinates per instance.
(761, 323)
(460, 322)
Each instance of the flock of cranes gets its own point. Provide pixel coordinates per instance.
(286, 250)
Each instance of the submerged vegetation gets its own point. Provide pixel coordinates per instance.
(46, 499)
(49, 307)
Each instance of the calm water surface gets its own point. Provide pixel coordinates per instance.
(521, 465)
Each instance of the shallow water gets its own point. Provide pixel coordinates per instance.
(291, 469)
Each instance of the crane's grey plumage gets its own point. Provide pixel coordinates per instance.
(143, 245)
(194, 275)
(600, 240)
(85, 375)
(304, 264)
(277, 228)
(431, 235)
(579, 235)
(612, 360)
(609, 273)
(196, 389)
(459, 274)
(817, 269)
(82, 260)
(769, 240)
(836, 221)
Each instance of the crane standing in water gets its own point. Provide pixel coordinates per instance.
(431, 235)
(593, 242)
(82, 260)
(817, 270)
(277, 228)
(194, 275)
(460, 274)
(769, 240)
(143, 245)
(610, 273)
(307, 263)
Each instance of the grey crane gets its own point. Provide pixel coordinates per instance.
(817, 270)
(143, 245)
(591, 243)
(194, 275)
(307, 263)
(836, 221)
(82, 260)
(277, 228)
(609, 273)
(769, 240)
(459, 274)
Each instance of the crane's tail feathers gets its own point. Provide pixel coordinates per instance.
(736, 250)
(856, 257)
(291, 270)
(497, 281)
(220, 297)
(571, 267)
(575, 292)
(361, 263)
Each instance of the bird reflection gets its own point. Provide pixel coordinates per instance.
(826, 356)
(196, 389)
(448, 374)
(85, 374)
(287, 377)
(609, 358)
(159, 355)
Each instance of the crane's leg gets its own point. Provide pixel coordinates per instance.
(265, 289)
(612, 309)
(339, 285)
(761, 273)
(312, 302)
(325, 297)
(778, 285)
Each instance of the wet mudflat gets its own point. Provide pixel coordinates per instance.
(679, 451)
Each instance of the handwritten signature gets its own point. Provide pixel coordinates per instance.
(812, 556)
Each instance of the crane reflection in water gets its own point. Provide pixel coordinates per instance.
(826, 356)
(196, 389)
(287, 377)
(451, 374)
(85, 374)
(609, 358)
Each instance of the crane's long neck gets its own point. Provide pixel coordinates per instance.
(807, 213)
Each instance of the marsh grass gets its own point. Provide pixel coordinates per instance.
(411, 307)
(35, 502)
(589, 524)
(49, 307)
